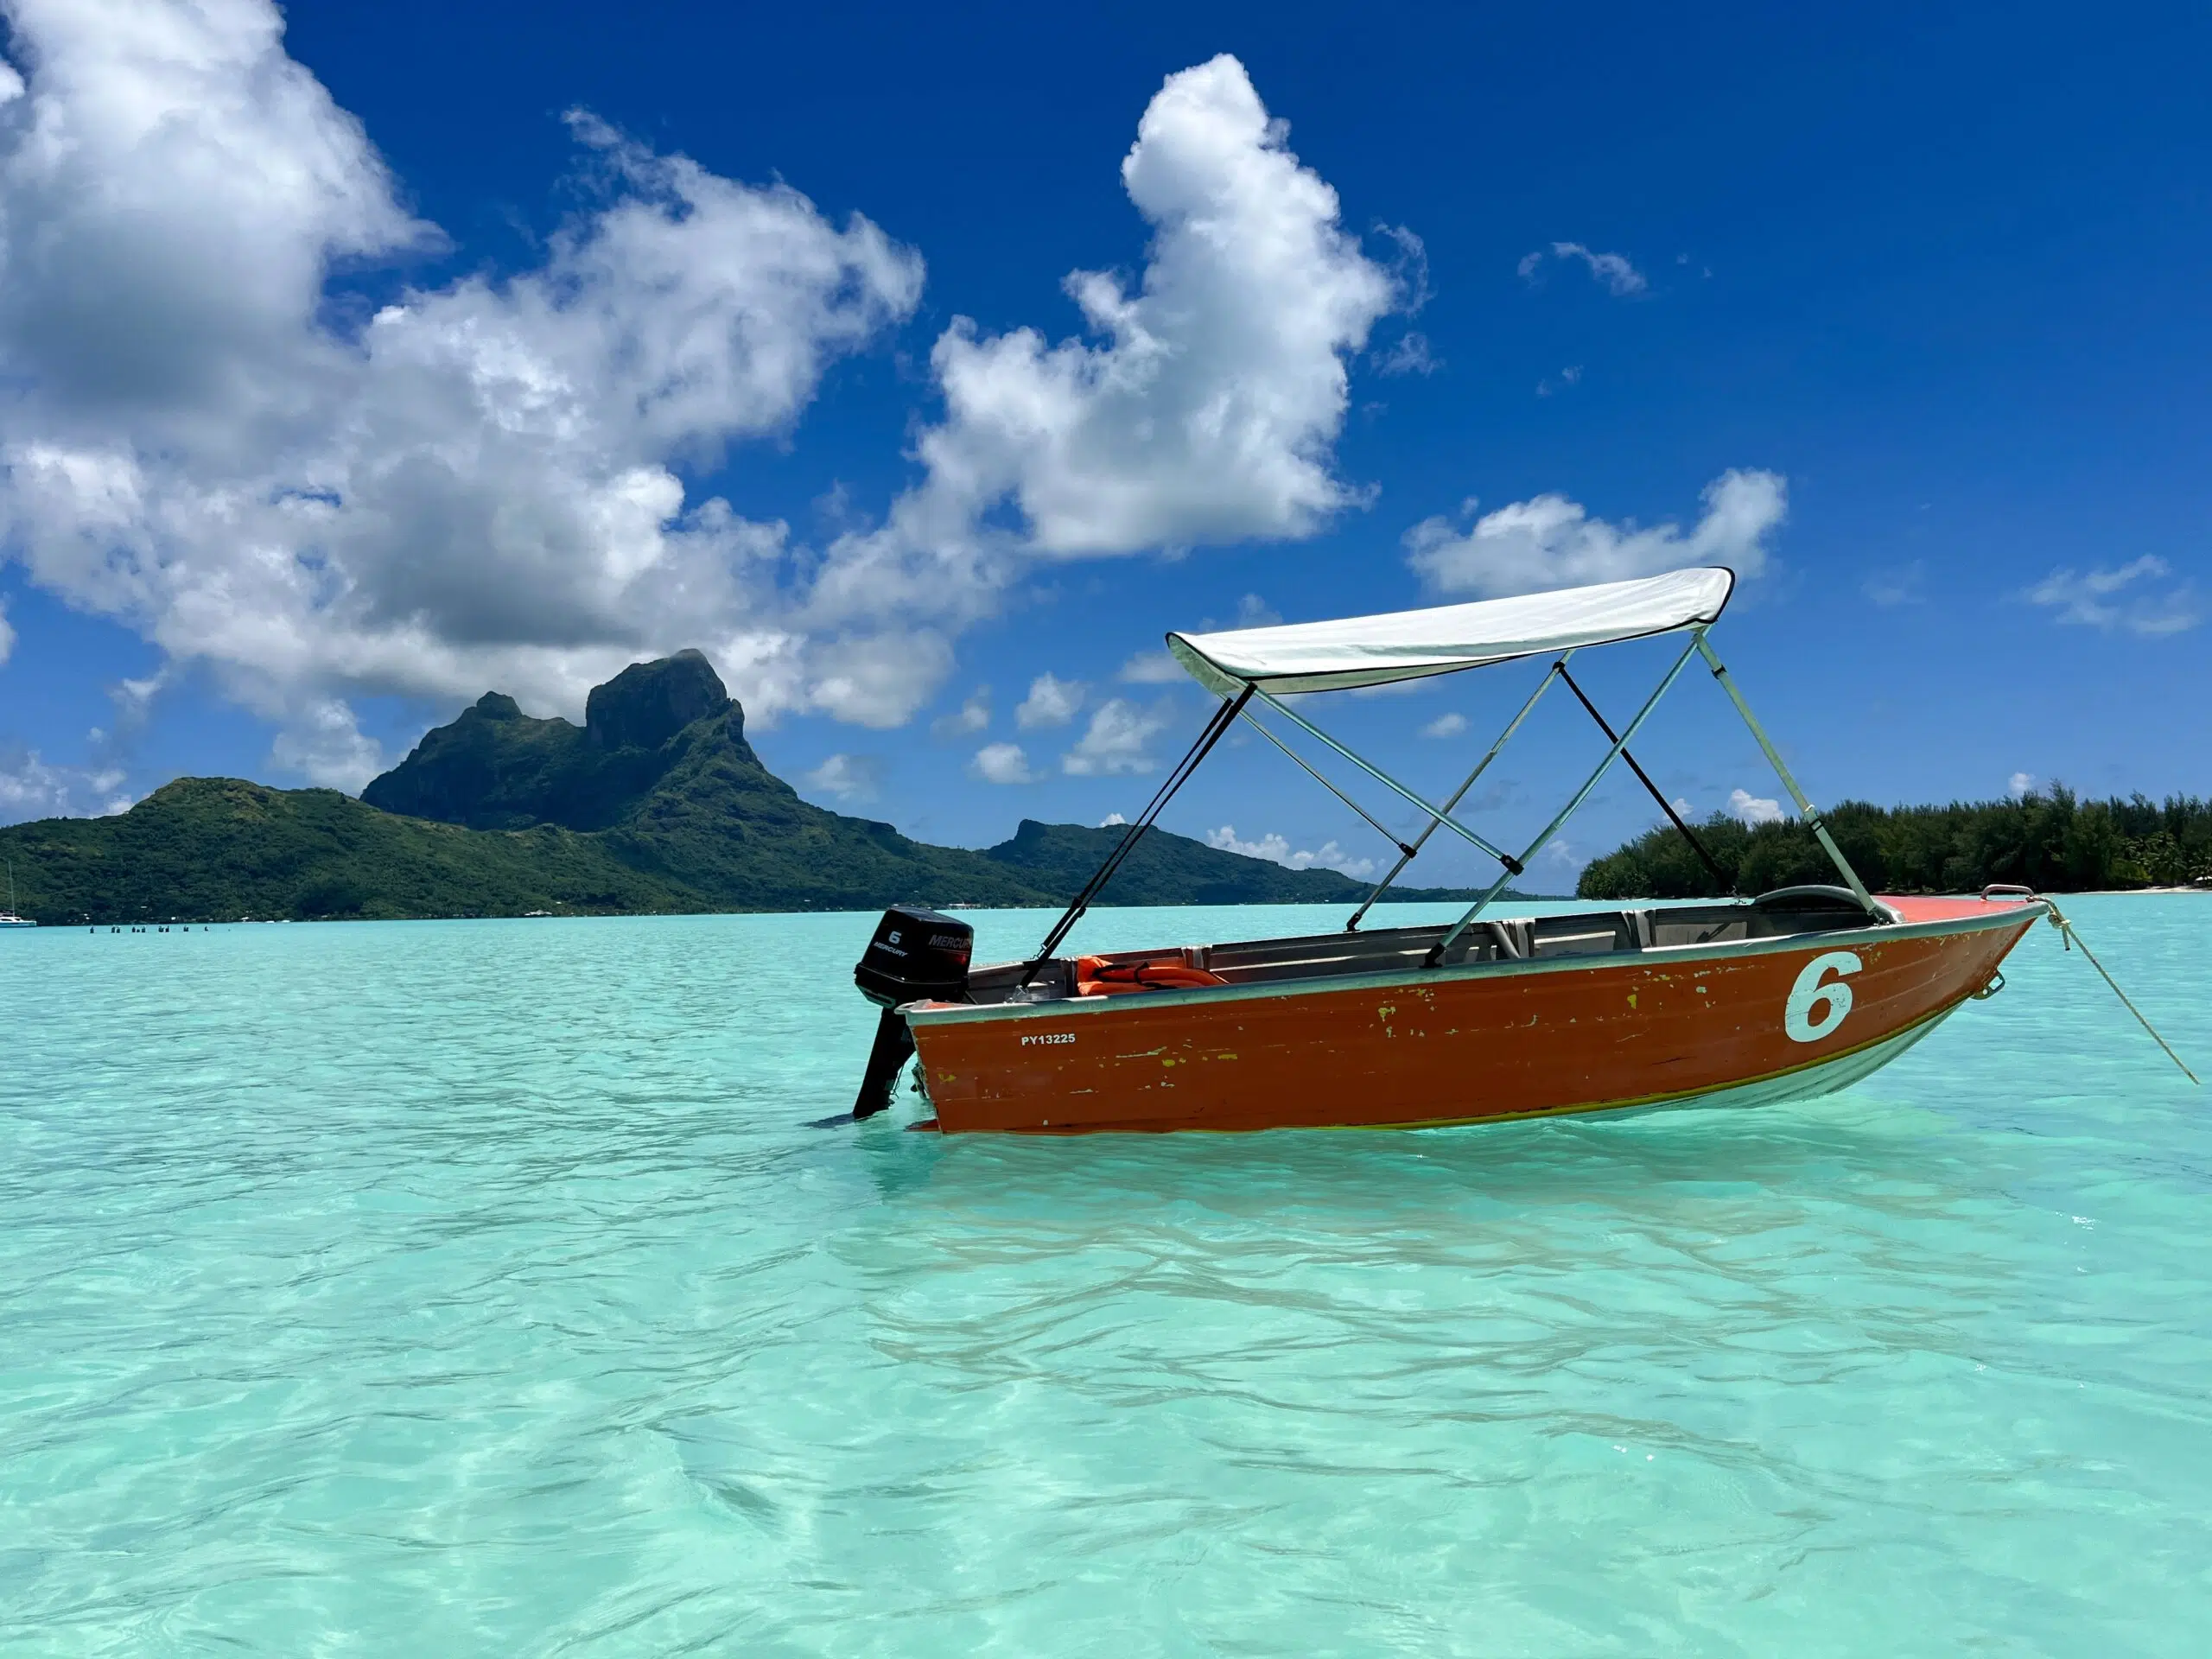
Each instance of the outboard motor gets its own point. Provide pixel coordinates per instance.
(916, 956)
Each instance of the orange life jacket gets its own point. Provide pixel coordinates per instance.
(1096, 977)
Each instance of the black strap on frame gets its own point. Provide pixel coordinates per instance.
(1665, 806)
(1224, 718)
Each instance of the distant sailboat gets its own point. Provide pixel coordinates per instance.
(8, 917)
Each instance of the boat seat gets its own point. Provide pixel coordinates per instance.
(1699, 924)
(1316, 956)
(1582, 936)
(1505, 941)
(1811, 897)
(1784, 913)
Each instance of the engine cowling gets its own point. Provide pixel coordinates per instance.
(917, 954)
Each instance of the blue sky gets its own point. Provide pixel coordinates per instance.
(416, 349)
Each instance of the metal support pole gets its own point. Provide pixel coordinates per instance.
(1805, 808)
(1705, 855)
(1581, 795)
(1390, 782)
(1458, 794)
(1224, 718)
(1300, 761)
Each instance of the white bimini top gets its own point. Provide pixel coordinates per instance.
(1413, 645)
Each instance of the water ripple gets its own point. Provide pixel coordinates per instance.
(477, 1287)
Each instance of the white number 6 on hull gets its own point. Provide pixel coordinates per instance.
(1818, 1004)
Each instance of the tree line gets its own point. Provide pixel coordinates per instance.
(2052, 840)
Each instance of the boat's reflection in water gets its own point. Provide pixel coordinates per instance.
(1333, 1272)
(1444, 1180)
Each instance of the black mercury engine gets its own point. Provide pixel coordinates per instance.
(916, 956)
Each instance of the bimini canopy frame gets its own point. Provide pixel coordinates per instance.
(1270, 663)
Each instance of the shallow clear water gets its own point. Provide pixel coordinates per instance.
(479, 1287)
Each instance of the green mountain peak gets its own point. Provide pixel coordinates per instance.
(496, 768)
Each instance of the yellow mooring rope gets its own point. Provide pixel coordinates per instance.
(2066, 933)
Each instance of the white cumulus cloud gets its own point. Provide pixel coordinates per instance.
(973, 715)
(1411, 355)
(1253, 611)
(2127, 597)
(492, 481)
(1752, 809)
(1203, 408)
(1446, 725)
(1551, 541)
(1277, 848)
(1117, 739)
(870, 680)
(323, 743)
(1151, 668)
(1001, 763)
(481, 483)
(1205, 411)
(848, 777)
(2020, 785)
(30, 788)
(1614, 272)
(1051, 702)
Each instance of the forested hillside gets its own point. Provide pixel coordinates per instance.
(2053, 842)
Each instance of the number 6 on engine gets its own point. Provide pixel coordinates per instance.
(1815, 990)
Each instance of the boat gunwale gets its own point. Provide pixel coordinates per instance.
(935, 1013)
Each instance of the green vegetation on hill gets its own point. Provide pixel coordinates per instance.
(657, 803)
(2054, 842)
(733, 831)
(219, 848)
(495, 768)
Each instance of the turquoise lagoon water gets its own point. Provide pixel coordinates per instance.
(478, 1288)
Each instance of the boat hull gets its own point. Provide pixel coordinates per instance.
(1747, 1022)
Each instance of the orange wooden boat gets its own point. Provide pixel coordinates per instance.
(1745, 1000)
